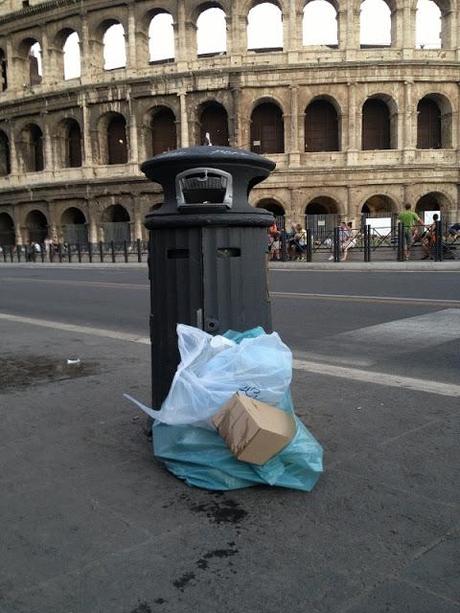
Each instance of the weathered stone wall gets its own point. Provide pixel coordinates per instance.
(239, 79)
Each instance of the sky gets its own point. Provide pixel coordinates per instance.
(264, 30)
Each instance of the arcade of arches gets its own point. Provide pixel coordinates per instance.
(359, 119)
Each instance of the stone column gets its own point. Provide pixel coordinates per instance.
(87, 145)
(184, 135)
(292, 29)
(133, 141)
(293, 144)
(342, 28)
(48, 162)
(180, 36)
(408, 30)
(84, 49)
(14, 162)
(131, 41)
(449, 30)
(354, 128)
(48, 63)
(235, 136)
(409, 131)
(238, 33)
(353, 31)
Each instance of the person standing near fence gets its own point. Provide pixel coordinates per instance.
(409, 220)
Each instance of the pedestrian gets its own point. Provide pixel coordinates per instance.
(429, 239)
(410, 222)
(344, 237)
(349, 242)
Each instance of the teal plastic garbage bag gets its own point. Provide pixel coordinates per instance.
(194, 451)
(200, 457)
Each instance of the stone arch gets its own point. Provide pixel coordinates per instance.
(113, 138)
(213, 120)
(7, 232)
(3, 71)
(74, 226)
(267, 127)
(319, 23)
(71, 59)
(379, 123)
(321, 216)
(377, 23)
(439, 14)
(69, 143)
(36, 225)
(31, 148)
(322, 125)
(30, 58)
(378, 205)
(162, 130)
(161, 36)
(115, 224)
(270, 37)
(5, 156)
(432, 201)
(112, 33)
(211, 24)
(434, 122)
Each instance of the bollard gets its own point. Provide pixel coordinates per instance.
(79, 252)
(400, 253)
(101, 251)
(18, 252)
(69, 252)
(112, 249)
(438, 242)
(125, 251)
(207, 250)
(139, 250)
(309, 246)
(90, 252)
(336, 245)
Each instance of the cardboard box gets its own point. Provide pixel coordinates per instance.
(254, 431)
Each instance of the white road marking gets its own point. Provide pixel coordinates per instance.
(354, 374)
(363, 298)
(379, 378)
(57, 325)
(409, 334)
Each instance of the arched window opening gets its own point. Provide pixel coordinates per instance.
(214, 125)
(378, 212)
(37, 227)
(3, 71)
(73, 141)
(117, 149)
(5, 160)
(429, 134)
(320, 24)
(321, 216)
(276, 209)
(265, 28)
(114, 47)
(35, 64)
(72, 62)
(429, 204)
(163, 126)
(428, 25)
(321, 127)
(74, 226)
(267, 129)
(375, 24)
(211, 36)
(375, 125)
(7, 235)
(161, 38)
(116, 224)
(32, 148)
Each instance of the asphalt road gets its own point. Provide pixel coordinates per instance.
(402, 323)
(89, 523)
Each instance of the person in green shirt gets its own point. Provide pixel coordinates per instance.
(409, 220)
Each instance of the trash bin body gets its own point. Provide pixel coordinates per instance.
(207, 250)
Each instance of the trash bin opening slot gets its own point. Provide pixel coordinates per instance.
(229, 252)
(176, 254)
(204, 186)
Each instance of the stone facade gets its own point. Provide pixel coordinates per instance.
(41, 180)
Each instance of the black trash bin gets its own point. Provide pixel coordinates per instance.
(207, 250)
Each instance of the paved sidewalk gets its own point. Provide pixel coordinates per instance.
(90, 523)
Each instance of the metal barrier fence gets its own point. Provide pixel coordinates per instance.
(368, 244)
(339, 244)
(121, 251)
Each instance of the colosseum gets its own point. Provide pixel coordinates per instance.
(91, 88)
